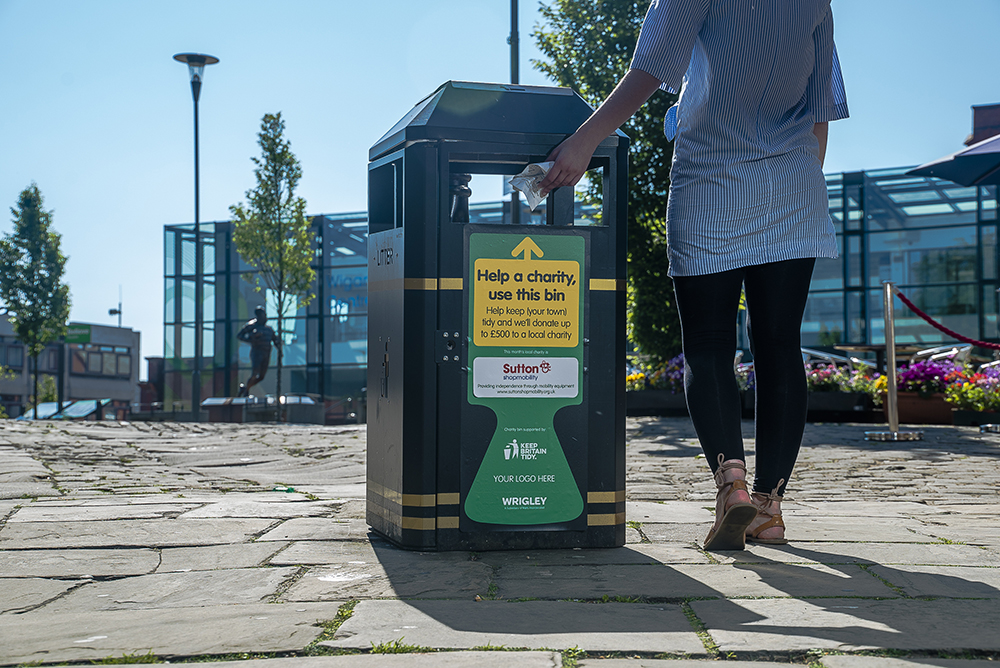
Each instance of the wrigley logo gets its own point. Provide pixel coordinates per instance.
(524, 500)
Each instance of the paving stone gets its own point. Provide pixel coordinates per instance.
(950, 581)
(642, 553)
(426, 579)
(879, 508)
(777, 625)
(62, 563)
(845, 661)
(987, 509)
(872, 529)
(889, 507)
(84, 513)
(175, 590)
(533, 624)
(187, 498)
(971, 530)
(632, 536)
(218, 629)
(688, 581)
(668, 512)
(680, 534)
(240, 508)
(27, 490)
(353, 509)
(214, 557)
(863, 553)
(465, 659)
(24, 593)
(315, 552)
(316, 528)
(346, 490)
(143, 533)
(673, 663)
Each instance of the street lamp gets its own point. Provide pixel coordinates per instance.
(196, 63)
(513, 40)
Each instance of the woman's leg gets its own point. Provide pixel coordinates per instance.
(708, 306)
(776, 299)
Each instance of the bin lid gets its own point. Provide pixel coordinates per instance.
(506, 113)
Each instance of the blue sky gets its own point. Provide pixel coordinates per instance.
(94, 109)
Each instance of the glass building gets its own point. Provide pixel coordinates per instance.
(325, 342)
(936, 240)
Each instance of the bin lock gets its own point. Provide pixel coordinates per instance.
(446, 346)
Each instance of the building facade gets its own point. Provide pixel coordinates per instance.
(936, 240)
(93, 362)
(324, 342)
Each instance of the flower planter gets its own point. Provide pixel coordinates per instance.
(966, 418)
(654, 402)
(837, 402)
(917, 409)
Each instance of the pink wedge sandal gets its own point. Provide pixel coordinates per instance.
(763, 503)
(729, 532)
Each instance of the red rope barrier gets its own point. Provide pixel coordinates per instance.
(934, 323)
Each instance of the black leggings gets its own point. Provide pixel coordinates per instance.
(776, 299)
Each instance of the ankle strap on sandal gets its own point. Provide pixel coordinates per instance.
(767, 498)
(724, 466)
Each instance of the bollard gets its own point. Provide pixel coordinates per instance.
(891, 398)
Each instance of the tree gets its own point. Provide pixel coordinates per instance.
(31, 284)
(46, 391)
(272, 233)
(589, 44)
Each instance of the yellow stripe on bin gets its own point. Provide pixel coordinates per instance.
(606, 497)
(605, 520)
(419, 523)
(608, 284)
(420, 284)
(419, 500)
(447, 523)
(448, 499)
(450, 283)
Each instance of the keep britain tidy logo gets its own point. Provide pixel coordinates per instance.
(523, 451)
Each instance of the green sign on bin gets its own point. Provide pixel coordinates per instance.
(526, 358)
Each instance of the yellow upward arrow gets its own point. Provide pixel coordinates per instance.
(527, 246)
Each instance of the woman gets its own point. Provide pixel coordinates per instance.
(747, 208)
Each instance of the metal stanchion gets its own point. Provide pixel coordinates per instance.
(891, 397)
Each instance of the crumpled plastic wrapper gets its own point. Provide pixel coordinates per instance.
(528, 180)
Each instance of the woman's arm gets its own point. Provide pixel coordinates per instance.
(822, 131)
(572, 157)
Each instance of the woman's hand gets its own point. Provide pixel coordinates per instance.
(571, 158)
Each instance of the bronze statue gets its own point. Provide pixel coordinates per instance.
(260, 337)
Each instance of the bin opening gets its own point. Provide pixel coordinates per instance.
(474, 189)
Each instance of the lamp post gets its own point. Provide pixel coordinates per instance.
(196, 63)
(514, 41)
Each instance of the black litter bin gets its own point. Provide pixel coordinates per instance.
(496, 352)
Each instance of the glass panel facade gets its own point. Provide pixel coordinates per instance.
(329, 332)
(935, 239)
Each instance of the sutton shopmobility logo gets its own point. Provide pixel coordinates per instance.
(515, 450)
(522, 371)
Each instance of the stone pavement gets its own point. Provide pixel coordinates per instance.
(162, 541)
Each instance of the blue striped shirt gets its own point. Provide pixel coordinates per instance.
(746, 185)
